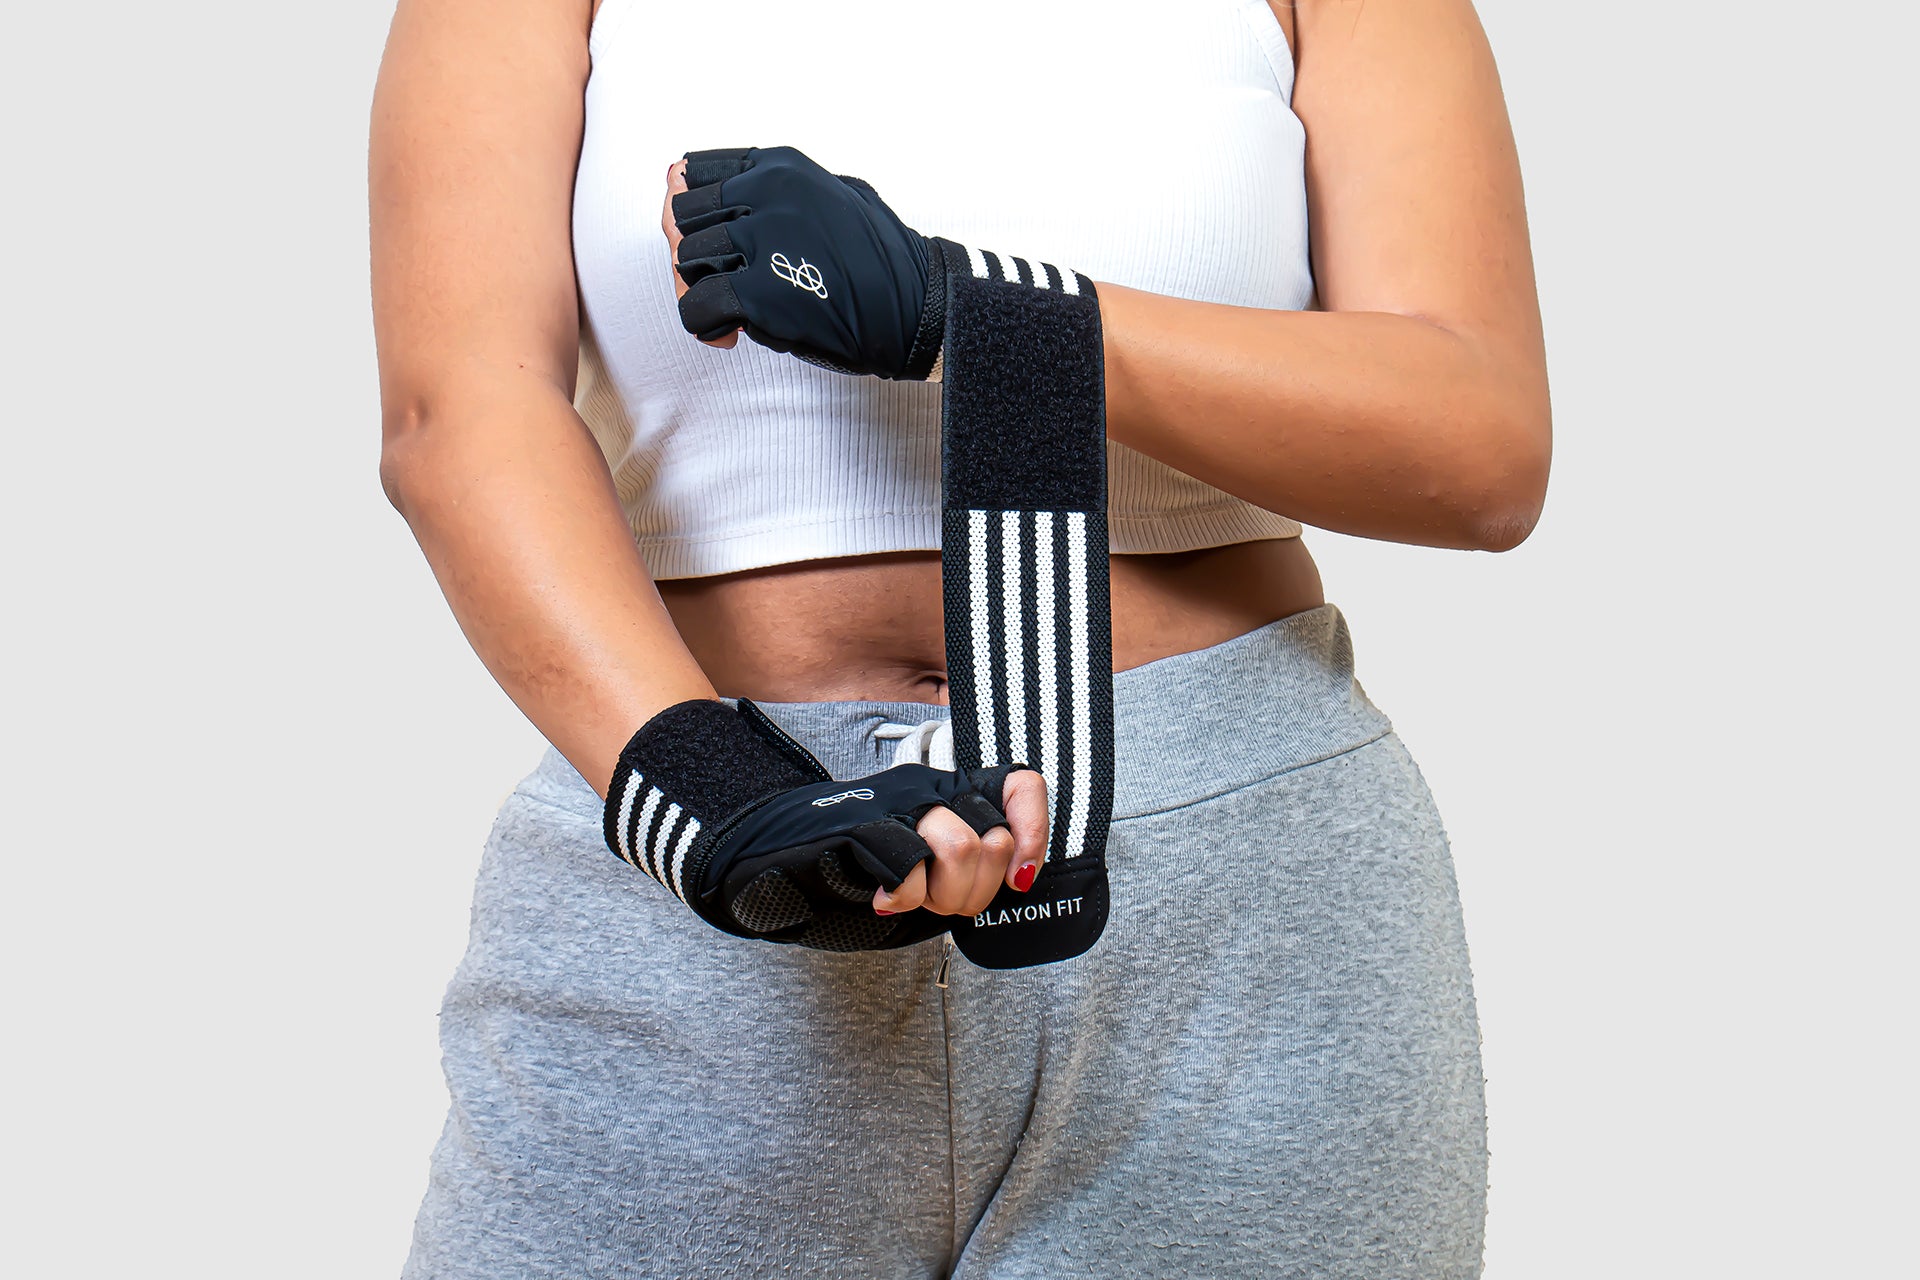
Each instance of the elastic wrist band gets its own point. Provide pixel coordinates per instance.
(1024, 574)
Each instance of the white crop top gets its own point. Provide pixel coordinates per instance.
(1148, 143)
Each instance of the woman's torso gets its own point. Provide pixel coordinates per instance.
(869, 625)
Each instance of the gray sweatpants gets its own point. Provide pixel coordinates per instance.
(1268, 1066)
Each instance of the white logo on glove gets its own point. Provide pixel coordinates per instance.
(858, 793)
(805, 276)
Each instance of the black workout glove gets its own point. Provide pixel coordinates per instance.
(817, 265)
(745, 826)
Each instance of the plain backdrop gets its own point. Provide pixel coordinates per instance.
(250, 761)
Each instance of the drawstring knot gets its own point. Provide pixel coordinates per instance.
(930, 742)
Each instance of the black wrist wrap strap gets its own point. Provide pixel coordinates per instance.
(1024, 574)
(698, 748)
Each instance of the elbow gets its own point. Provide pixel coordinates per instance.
(1511, 490)
(404, 428)
(439, 433)
(1504, 528)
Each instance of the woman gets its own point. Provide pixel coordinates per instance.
(1269, 1063)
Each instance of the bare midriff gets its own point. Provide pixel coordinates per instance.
(870, 627)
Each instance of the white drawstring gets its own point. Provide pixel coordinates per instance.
(930, 742)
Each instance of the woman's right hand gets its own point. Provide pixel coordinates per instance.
(743, 824)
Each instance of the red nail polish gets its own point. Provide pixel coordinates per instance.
(877, 911)
(1023, 878)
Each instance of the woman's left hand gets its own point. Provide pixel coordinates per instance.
(807, 262)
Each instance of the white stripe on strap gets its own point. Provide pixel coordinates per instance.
(624, 833)
(680, 855)
(642, 854)
(1045, 540)
(986, 264)
(982, 642)
(1082, 712)
(1012, 554)
(663, 843)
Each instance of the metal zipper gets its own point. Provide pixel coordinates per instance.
(946, 963)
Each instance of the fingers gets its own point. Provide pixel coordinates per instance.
(967, 869)
(676, 185)
(964, 873)
(705, 168)
(1023, 798)
(710, 308)
(705, 253)
(993, 869)
(912, 893)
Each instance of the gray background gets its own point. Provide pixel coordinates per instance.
(250, 761)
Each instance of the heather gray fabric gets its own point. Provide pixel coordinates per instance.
(1269, 1065)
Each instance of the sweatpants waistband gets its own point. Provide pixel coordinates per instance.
(1186, 727)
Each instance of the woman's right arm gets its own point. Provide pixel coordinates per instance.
(476, 132)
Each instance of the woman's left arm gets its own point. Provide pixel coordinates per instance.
(1414, 407)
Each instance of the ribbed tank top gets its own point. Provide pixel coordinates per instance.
(1148, 144)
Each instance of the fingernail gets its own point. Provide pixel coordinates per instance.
(877, 911)
(1023, 878)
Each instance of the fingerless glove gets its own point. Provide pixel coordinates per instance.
(817, 265)
(744, 825)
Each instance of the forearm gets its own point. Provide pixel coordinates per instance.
(1367, 423)
(511, 502)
